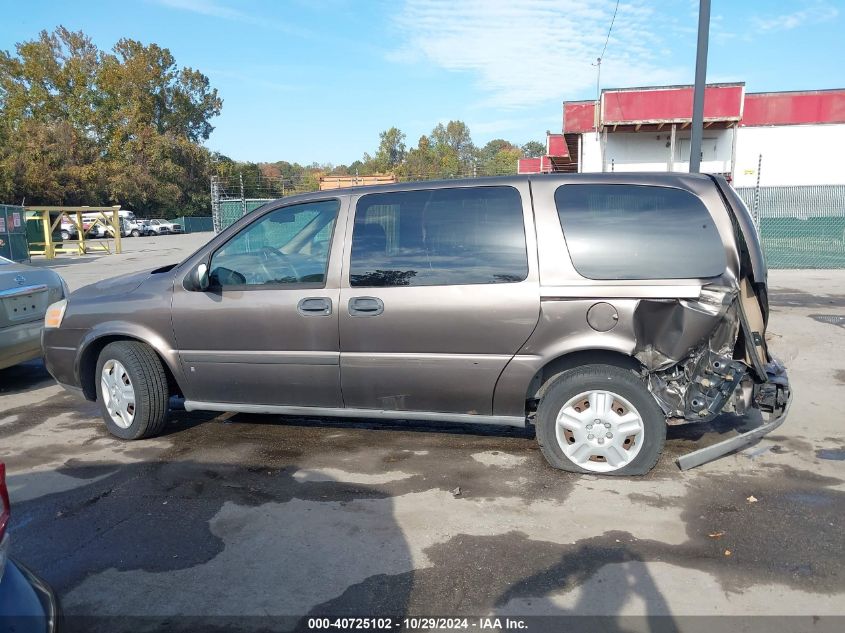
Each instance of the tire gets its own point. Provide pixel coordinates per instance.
(65, 235)
(136, 233)
(621, 402)
(138, 363)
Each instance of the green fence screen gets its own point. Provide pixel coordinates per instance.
(13, 244)
(195, 224)
(231, 210)
(800, 226)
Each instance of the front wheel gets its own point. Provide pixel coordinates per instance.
(600, 419)
(132, 390)
(136, 233)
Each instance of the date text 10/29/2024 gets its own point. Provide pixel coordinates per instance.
(420, 623)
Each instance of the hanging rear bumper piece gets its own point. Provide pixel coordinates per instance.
(773, 397)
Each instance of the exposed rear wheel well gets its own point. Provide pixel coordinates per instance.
(554, 368)
(88, 365)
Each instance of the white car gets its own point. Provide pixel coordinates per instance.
(157, 226)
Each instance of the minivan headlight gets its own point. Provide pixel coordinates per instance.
(55, 313)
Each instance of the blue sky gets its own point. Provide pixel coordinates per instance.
(318, 80)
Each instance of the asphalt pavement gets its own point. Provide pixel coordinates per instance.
(247, 516)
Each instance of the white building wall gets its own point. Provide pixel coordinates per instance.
(792, 155)
(590, 152)
(650, 151)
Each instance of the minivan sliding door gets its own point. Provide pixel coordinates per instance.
(439, 292)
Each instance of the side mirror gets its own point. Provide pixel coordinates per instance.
(202, 276)
(197, 281)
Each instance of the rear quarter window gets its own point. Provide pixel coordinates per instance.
(638, 232)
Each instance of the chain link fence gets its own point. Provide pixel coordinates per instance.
(800, 226)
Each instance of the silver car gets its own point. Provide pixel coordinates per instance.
(25, 293)
(595, 307)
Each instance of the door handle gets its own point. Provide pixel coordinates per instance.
(314, 306)
(365, 306)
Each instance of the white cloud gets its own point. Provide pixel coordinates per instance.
(526, 52)
(816, 13)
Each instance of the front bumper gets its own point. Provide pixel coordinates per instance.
(773, 397)
(27, 603)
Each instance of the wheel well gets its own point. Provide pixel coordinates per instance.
(88, 365)
(554, 368)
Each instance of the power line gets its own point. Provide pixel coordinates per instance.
(599, 59)
(607, 39)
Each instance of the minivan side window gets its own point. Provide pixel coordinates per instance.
(439, 237)
(284, 247)
(638, 232)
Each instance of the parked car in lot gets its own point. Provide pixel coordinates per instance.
(68, 230)
(593, 306)
(25, 293)
(142, 227)
(157, 226)
(136, 227)
(27, 604)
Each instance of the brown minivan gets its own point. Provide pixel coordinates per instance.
(596, 307)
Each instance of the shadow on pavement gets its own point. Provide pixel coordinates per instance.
(187, 545)
(24, 376)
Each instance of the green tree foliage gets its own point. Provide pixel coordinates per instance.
(83, 126)
(533, 149)
(391, 150)
(421, 162)
(447, 152)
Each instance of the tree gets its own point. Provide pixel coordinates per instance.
(533, 149)
(391, 150)
(421, 162)
(488, 161)
(453, 145)
(503, 162)
(81, 126)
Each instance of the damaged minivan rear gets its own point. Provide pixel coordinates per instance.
(677, 277)
(598, 308)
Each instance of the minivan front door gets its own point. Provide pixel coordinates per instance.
(441, 291)
(265, 332)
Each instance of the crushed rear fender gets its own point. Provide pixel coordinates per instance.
(707, 356)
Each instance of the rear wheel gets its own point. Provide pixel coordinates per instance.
(136, 233)
(600, 419)
(132, 390)
(65, 235)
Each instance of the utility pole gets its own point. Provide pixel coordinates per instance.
(700, 82)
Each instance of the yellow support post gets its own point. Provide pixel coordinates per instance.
(116, 224)
(80, 232)
(49, 247)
